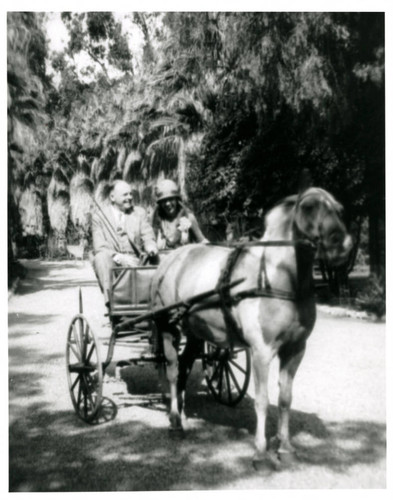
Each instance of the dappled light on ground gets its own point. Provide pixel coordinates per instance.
(129, 448)
(135, 455)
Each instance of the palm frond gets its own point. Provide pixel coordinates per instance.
(165, 121)
(121, 158)
(58, 200)
(59, 183)
(95, 167)
(27, 102)
(29, 180)
(102, 192)
(166, 145)
(30, 210)
(107, 163)
(161, 157)
(81, 201)
(83, 167)
(132, 166)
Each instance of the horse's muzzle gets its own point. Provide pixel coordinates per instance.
(337, 254)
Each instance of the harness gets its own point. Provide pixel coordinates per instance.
(263, 288)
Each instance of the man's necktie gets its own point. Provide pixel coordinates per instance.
(120, 224)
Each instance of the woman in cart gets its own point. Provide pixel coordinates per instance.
(174, 225)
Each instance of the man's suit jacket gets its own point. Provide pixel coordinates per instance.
(136, 229)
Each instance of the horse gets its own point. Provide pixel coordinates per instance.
(272, 311)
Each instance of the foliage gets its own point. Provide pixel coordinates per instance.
(101, 37)
(58, 202)
(282, 108)
(232, 105)
(372, 297)
(81, 201)
(30, 209)
(26, 86)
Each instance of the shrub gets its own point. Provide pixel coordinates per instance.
(373, 296)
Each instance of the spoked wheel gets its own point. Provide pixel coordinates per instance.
(84, 369)
(227, 372)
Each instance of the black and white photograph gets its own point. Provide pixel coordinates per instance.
(196, 248)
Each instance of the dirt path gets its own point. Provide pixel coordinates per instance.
(338, 419)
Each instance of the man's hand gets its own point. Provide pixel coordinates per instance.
(125, 260)
(153, 252)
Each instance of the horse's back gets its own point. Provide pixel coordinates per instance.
(196, 269)
(188, 271)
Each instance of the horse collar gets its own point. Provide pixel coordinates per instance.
(263, 288)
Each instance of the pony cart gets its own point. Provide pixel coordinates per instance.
(133, 324)
(259, 296)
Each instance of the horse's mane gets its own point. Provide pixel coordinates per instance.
(288, 201)
(278, 220)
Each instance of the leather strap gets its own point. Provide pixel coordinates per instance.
(233, 330)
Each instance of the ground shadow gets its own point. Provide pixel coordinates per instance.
(18, 319)
(31, 286)
(24, 384)
(58, 452)
(52, 450)
(43, 275)
(335, 445)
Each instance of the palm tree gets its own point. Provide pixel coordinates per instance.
(24, 105)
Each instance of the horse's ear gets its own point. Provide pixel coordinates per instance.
(305, 180)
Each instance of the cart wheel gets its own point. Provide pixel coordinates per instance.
(227, 372)
(84, 369)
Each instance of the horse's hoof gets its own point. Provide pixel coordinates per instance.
(176, 433)
(267, 462)
(285, 452)
(274, 444)
(261, 465)
(287, 457)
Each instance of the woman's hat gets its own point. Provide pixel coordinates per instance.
(167, 189)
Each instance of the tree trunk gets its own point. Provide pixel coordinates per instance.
(376, 242)
(10, 257)
(11, 232)
(56, 245)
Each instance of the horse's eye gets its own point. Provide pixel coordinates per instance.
(308, 208)
(336, 237)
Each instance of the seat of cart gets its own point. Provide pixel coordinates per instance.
(129, 294)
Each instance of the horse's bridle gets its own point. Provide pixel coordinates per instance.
(263, 288)
(316, 240)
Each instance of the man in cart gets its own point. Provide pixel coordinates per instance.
(121, 234)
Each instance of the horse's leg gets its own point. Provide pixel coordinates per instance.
(186, 360)
(170, 352)
(260, 367)
(290, 358)
(262, 355)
